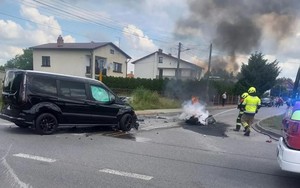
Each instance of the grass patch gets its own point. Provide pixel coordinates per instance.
(143, 99)
(273, 122)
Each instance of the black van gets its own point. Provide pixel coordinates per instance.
(45, 101)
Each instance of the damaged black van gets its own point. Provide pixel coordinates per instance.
(46, 101)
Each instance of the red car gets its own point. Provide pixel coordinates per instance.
(288, 148)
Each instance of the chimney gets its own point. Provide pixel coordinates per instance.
(60, 41)
(160, 51)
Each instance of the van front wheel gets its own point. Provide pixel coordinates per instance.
(46, 123)
(126, 122)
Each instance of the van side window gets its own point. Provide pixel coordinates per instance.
(72, 89)
(100, 94)
(42, 84)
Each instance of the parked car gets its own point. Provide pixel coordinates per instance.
(288, 148)
(267, 102)
(45, 101)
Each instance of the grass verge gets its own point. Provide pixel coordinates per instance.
(273, 122)
(143, 99)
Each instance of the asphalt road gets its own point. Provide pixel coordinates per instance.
(165, 152)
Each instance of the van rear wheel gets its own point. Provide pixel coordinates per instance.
(46, 123)
(126, 122)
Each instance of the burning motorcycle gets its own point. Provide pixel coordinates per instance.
(194, 113)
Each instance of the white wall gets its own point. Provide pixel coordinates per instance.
(149, 67)
(74, 62)
(144, 68)
(63, 62)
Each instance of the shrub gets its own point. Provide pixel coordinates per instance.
(145, 99)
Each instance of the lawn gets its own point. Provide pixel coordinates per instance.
(273, 122)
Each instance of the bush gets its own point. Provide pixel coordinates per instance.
(145, 99)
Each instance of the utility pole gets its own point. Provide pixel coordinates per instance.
(178, 61)
(208, 74)
(93, 65)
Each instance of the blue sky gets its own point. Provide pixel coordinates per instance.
(141, 27)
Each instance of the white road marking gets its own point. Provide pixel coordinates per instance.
(157, 127)
(38, 158)
(126, 174)
(141, 139)
(223, 112)
(11, 177)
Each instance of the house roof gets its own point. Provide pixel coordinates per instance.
(77, 46)
(166, 55)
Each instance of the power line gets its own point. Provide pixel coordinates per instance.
(16, 17)
(82, 16)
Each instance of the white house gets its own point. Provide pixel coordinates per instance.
(161, 65)
(78, 58)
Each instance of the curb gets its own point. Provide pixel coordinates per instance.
(177, 110)
(269, 132)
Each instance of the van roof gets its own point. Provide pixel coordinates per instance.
(55, 74)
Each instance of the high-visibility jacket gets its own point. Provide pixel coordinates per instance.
(251, 104)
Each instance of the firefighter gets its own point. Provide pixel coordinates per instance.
(241, 112)
(251, 104)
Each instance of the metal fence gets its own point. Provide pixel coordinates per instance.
(231, 99)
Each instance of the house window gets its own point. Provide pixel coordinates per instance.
(112, 51)
(117, 67)
(45, 61)
(160, 60)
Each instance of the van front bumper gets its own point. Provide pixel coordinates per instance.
(288, 159)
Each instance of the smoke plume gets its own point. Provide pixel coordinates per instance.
(237, 26)
(197, 110)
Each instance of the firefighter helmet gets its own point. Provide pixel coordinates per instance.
(251, 90)
(244, 95)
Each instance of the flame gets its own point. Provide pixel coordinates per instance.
(195, 100)
(194, 108)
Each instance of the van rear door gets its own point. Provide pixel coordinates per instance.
(13, 86)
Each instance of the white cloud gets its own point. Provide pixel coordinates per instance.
(8, 52)
(69, 39)
(15, 37)
(47, 29)
(289, 68)
(9, 29)
(137, 39)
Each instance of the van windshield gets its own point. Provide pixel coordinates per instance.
(12, 81)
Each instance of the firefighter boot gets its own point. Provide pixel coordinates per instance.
(237, 128)
(247, 132)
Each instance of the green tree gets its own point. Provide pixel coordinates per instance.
(258, 73)
(23, 61)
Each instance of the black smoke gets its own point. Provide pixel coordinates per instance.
(237, 26)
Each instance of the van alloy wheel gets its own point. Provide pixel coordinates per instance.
(46, 123)
(126, 122)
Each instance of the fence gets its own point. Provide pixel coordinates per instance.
(231, 99)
